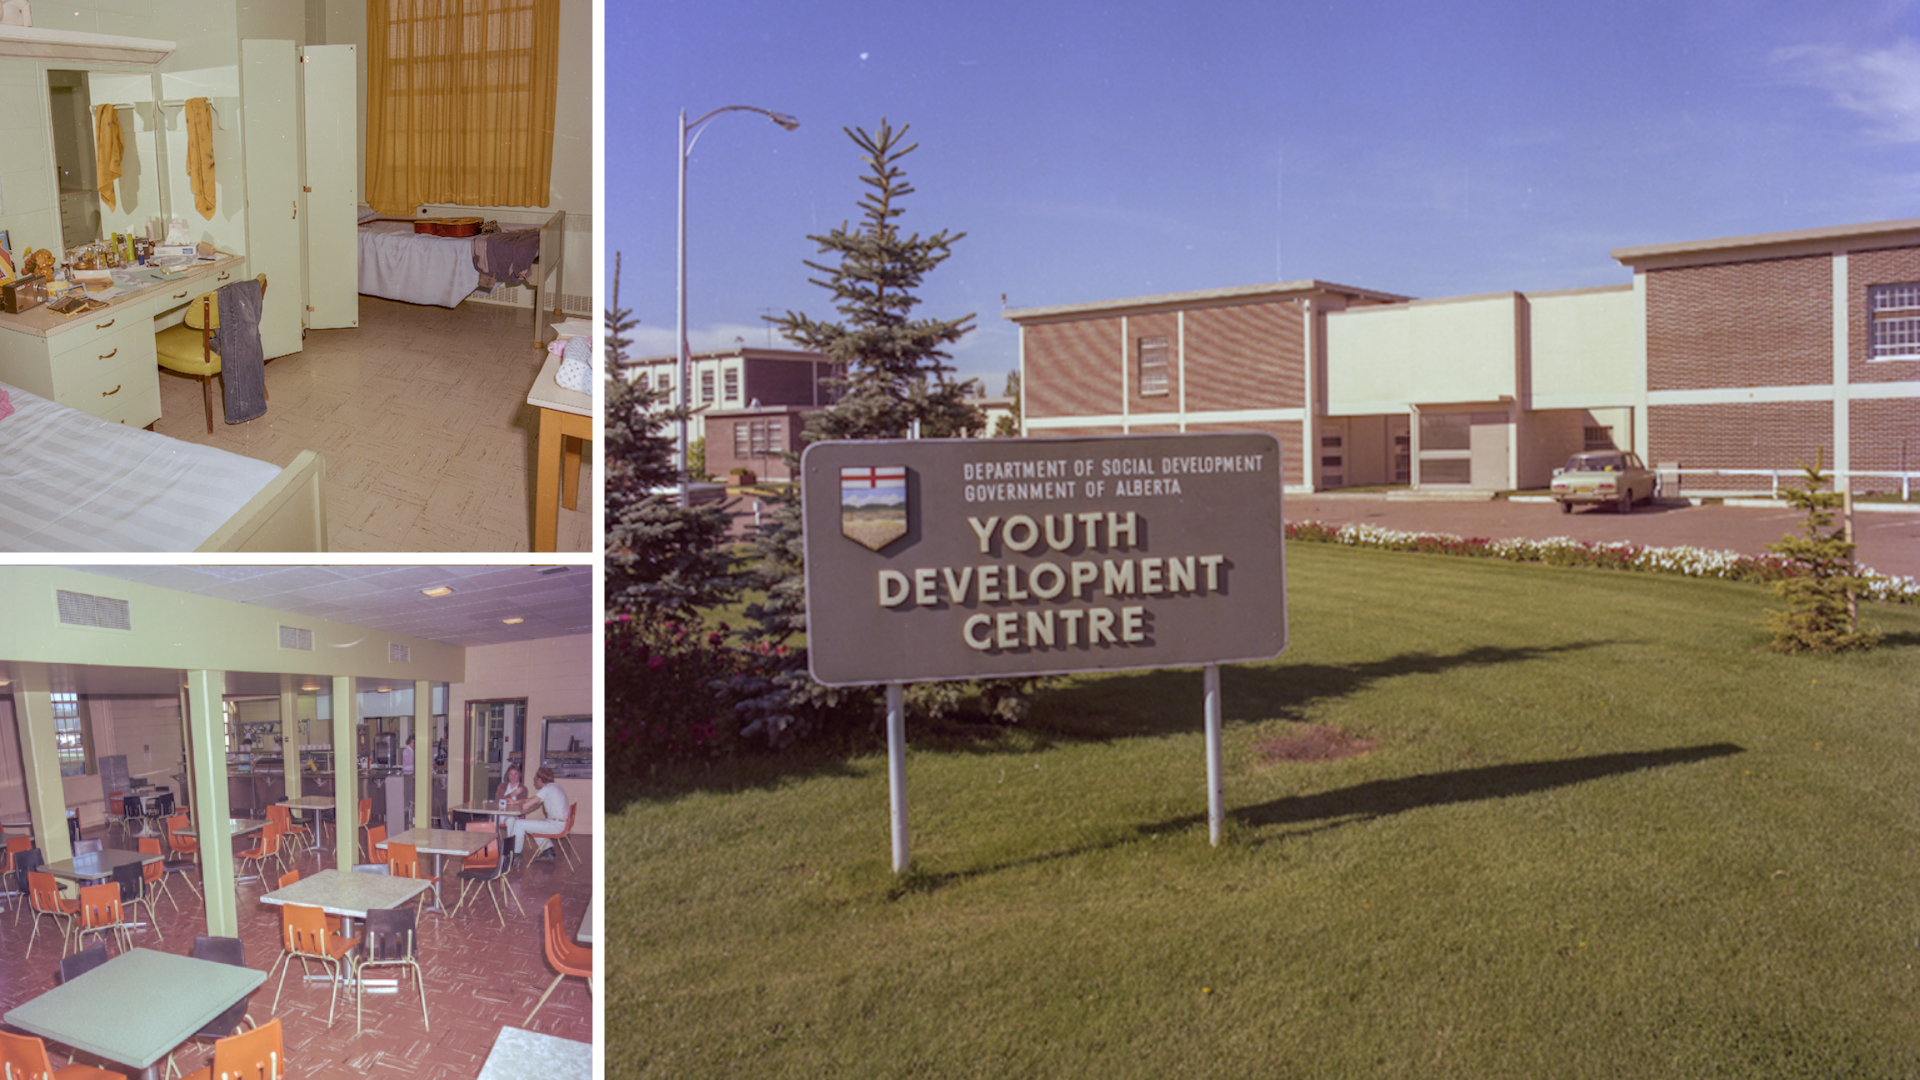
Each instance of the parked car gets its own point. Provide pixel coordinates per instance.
(1604, 476)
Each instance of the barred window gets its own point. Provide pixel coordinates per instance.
(1597, 437)
(706, 385)
(740, 438)
(733, 384)
(1153, 366)
(1895, 312)
(69, 734)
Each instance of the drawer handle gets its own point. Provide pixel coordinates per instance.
(224, 275)
(111, 355)
(182, 294)
(104, 325)
(110, 393)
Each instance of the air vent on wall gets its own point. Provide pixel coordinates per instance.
(397, 653)
(104, 612)
(295, 637)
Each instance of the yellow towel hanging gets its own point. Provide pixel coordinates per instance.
(200, 154)
(107, 149)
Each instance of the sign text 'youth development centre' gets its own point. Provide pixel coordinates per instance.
(974, 558)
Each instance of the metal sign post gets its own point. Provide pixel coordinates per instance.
(1216, 788)
(897, 771)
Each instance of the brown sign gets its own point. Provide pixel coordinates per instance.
(973, 558)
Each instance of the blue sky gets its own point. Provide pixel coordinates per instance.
(1095, 151)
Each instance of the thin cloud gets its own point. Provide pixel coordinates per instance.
(651, 341)
(1881, 84)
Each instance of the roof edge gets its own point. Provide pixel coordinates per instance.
(1303, 287)
(1761, 245)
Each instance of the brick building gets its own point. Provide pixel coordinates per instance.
(1744, 354)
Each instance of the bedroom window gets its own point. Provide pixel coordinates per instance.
(1153, 366)
(460, 102)
(1895, 311)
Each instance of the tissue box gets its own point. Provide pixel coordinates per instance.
(174, 251)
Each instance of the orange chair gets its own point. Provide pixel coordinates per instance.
(305, 935)
(43, 893)
(182, 844)
(562, 840)
(116, 804)
(100, 913)
(403, 860)
(297, 831)
(153, 880)
(376, 836)
(26, 1056)
(567, 956)
(366, 816)
(267, 848)
(15, 845)
(257, 1054)
(283, 818)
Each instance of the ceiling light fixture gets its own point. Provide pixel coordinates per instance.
(515, 621)
(437, 591)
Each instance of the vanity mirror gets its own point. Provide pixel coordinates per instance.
(75, 101)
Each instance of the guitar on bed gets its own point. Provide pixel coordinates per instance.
(440, 226)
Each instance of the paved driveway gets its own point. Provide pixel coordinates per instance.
(1889, 541)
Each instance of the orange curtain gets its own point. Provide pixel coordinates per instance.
(460, 102)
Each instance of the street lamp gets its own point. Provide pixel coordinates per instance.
(685, 364)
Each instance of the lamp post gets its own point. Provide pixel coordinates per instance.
(685, 359)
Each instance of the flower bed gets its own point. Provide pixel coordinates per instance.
(1566, 551)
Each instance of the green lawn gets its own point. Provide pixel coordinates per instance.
(1602, 833)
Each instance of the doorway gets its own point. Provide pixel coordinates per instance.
(496, 736)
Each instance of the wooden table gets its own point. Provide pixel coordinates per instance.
(441, 843)
(566, 422)
(137, 1007)
(520, 1053)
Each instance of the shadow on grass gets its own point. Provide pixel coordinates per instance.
(1120, 705)
(1168, 702)
(1381, 798)
(1302, 814)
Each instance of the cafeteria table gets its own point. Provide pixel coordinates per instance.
(317, 805)
(137, 1007)
(441, 843)
(498, 811)
(519, 1053)
(237, 827)
(98, 866)
(349, 895)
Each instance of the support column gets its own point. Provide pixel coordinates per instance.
(422, 754)
(40, 761)
(207, 761)
(346, 774)
(289, 735)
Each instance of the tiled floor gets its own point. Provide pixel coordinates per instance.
(480, 977)
(422, 416)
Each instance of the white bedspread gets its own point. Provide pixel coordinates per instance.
(419, 268)
(73, 482)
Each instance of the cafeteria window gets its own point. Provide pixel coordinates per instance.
(71, 734)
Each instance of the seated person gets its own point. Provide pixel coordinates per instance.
(550, 798)
(512, 788)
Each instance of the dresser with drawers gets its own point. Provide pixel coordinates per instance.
(103, 362)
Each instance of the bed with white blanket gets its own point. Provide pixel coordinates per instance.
(74, 482)
(421, 268)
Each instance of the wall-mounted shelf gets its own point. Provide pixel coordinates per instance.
(39, 43)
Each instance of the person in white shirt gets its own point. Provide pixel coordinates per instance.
(406, 757)
(549, 798)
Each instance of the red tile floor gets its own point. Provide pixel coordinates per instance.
(480, 977)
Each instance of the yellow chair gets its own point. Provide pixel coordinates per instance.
(188, 348)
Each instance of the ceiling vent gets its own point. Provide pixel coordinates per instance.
(102, 612)
(398, 654)
(295, 637)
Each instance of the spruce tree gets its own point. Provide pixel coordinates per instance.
(663, 559)
(1823, 605)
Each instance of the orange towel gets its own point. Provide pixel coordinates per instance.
(107, 149)
(200, 154)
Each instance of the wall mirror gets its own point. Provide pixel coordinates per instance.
(74, 100)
